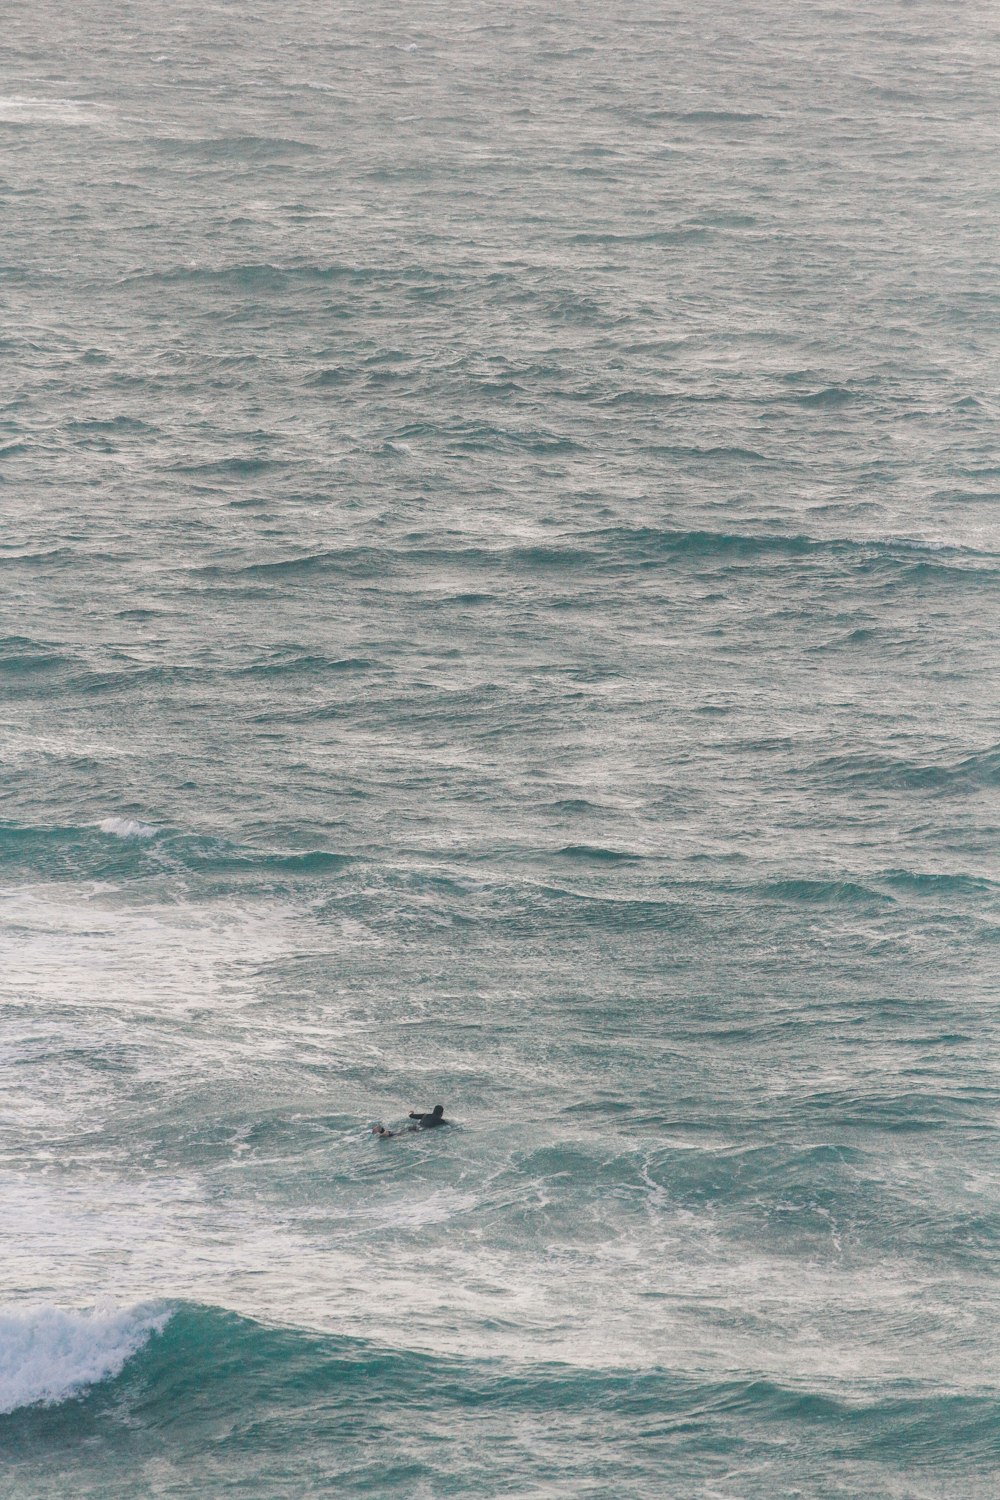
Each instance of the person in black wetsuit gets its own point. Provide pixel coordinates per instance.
(424, 1122)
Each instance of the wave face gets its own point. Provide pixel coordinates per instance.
(500, 572)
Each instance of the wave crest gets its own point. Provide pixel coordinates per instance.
(48, 1355)
(126, 828)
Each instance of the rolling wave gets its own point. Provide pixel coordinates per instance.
(231, 148)
(595, 852)
(975, 772)
(848, 891)
(19, 654)
(616, 548)
(120, 844)
(215, 1375)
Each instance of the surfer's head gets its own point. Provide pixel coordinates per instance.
(438, 1111)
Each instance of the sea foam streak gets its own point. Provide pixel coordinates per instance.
(49, 1355)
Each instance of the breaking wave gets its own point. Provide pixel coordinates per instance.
(48, 1355)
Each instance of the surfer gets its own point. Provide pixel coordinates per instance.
(424, 1122)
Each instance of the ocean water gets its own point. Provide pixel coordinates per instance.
(500, 580)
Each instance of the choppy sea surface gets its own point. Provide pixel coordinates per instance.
(500, 579)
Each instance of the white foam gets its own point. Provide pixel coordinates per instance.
(20, 107)
(127, 828)
(118, 963)
(48, 1355)
(21, 748)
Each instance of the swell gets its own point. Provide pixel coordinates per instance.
(29, 669)
(619, 548)
(934, 883)
(275, 276)
(605, 551)
(20, 654)
(122, 844)
(975, 772)
(231, 148)
(279, 665)
(821, 892)
(198, 1370)
(596, 853)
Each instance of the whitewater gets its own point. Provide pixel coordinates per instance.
(500, 571)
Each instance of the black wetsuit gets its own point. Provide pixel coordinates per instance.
(427, 1121)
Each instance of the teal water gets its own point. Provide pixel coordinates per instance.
(500, 581)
